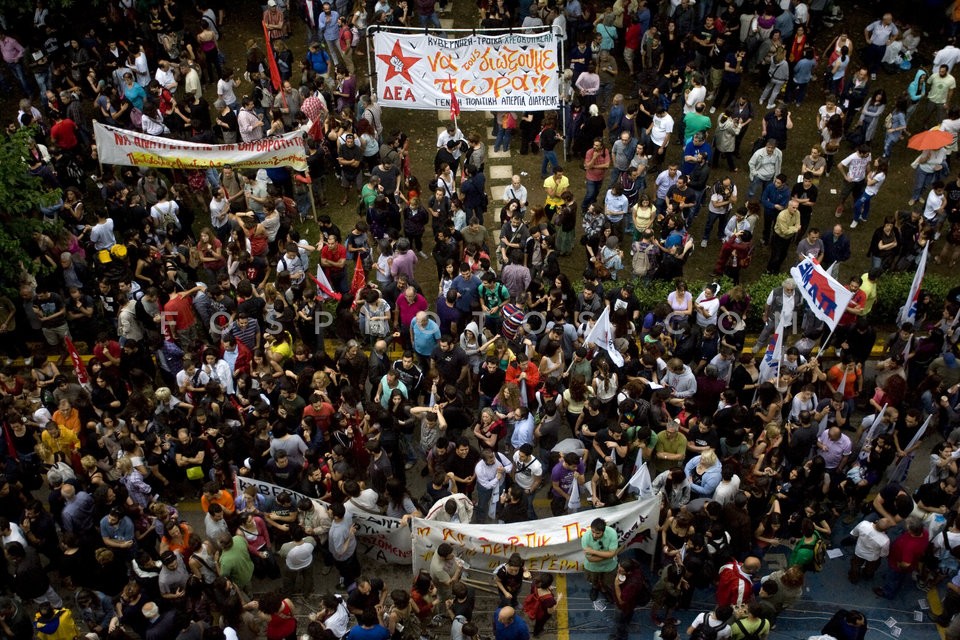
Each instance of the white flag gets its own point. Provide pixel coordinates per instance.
(843, 379)
(900, 473)
(573, 503)
(640, 482)
(770, 364)
(602, 336)
(908, 312)
(324, 290)
(826, 297)
(873, 427)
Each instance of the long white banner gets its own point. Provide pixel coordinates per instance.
(513, 72)
(379, 538)
(131, 148)
(551, 544)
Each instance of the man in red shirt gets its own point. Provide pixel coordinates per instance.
(64, 133)
(595, 165)
(906, 552)
(333, 261)
(522, 370)
(177, 319)
(108, 352)
(735, 582)
(855, 306)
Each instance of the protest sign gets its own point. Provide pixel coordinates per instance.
(135, 149)
(508, 72)
(379, 537)
(549, 544)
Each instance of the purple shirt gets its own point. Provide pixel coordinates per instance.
(403, 263)
(564, 476)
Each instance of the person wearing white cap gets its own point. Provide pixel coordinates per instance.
(297, 558)
(274, 21)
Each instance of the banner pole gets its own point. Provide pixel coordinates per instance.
(563, 97)
(369, 56)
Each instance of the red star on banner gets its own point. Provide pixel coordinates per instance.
(397, 63)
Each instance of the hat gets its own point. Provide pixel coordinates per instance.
(673, 424)
(300, 556)
(271, 3)
(167, 557)
(621, 344)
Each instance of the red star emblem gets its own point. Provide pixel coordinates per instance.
(397, 63)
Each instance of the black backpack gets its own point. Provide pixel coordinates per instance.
(705, 631)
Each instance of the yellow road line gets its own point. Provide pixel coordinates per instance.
(563, 620)
(936, 608)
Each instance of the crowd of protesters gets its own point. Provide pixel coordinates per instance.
(215, 353)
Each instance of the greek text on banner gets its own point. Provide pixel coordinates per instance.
(131, 148)
(551, 544)
(512, 72)
(379, 538)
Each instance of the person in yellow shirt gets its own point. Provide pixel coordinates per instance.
(59, 441)
(555, 185)
(869, 287)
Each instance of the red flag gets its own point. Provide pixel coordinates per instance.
(316, 130)
(359, 278)
(272, 61)
(454, 103)
(11, 449)
(323, 285)
(78, 365)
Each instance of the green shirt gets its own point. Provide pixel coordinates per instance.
(759, 627)
(607, 542)
(235, 563)
(694, 123)
(667, 445)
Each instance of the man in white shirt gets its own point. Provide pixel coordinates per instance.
(517, 191)
(450, 133)
(949, 56)
(490, 471)
(166, 76)
(101, 234)
(872, 544)
(191, 80)
(251, 126)
(665, 179)
(934, 207)
(527, 474)
(854, 170)
(659, 131)
(764, 165)
(878, 35)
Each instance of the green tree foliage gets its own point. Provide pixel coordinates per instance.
(21, 197)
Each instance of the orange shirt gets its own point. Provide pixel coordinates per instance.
(224, 499)
(69, 420)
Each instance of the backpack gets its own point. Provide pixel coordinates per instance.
(747, 635)
(819, 553)
(705, 631)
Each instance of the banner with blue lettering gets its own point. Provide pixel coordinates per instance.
(827, 298)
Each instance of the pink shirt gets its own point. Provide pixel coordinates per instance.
(10, 49)
(408, 311)
(597, 175)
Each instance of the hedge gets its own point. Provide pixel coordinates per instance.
(892, 292)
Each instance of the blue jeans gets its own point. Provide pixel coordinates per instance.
(889, 140)
(593, 188)
(548, 156)
(483, 504)
(756, 184)
(712, 219)
(432, 20)
(502, 143)
(861, 207)
(921, 180)
(16, 68)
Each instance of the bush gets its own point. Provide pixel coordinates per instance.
(892, 292)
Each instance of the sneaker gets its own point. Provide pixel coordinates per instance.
(422, 254)
(28, 362)
(594, 593)
(936, 236)
(7, 362)
(408, 466)
(703, 244)
(911, 202)
(853, 225)
(873, 76)
(713, 109)
(771, 105)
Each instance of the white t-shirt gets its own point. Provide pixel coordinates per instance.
(872, 189)
(711, 306)
(661, 127)
(526, 473)
(713, 623)
(932, 207)
(225, 91)
(101, 235)
(856, 166)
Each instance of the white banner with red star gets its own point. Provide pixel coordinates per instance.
(512, 72)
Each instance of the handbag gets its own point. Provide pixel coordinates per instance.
(195, 473)
(531, 604)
